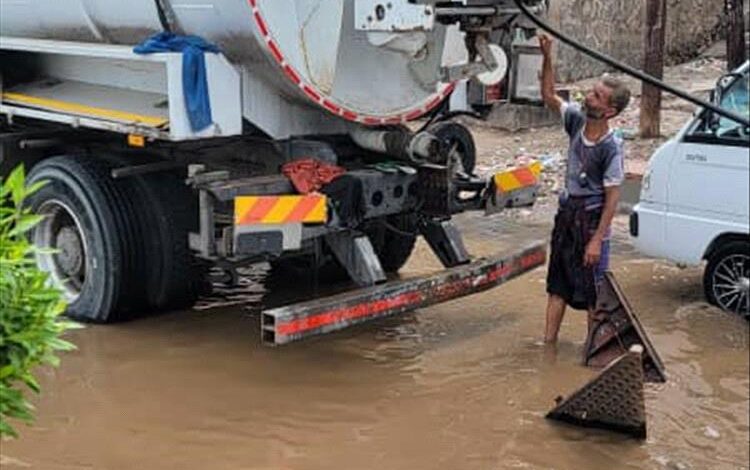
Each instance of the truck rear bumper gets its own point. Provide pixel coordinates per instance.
(295, 322)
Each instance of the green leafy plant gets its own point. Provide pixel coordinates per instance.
(30, 308)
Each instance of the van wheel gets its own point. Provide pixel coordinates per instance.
(86, 236)
(726, 280)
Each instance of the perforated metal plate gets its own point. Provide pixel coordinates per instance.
(613, 400)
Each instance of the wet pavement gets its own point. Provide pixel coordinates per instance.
(461, 385)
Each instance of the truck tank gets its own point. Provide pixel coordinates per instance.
(308, 51)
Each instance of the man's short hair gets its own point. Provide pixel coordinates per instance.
(620, 97)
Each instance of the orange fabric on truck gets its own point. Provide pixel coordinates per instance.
(310, 175)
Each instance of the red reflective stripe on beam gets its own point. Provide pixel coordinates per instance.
(447, 291)
(350, 313)
(533, 259)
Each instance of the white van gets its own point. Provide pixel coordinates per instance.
(695, 198)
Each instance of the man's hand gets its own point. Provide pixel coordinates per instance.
(593, 252)
(545, 44)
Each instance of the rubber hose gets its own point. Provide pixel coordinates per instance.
(629, 70)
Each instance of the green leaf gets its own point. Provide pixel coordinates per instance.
(34, 187)
(25, 224)
(30, 327)
(15, 183)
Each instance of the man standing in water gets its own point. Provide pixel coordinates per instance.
(579, 253)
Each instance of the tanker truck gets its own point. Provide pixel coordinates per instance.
(275, 131)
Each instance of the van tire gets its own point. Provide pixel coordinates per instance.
(727, 266)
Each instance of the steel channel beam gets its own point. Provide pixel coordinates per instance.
(295, 322)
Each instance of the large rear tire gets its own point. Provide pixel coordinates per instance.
(87, 225)
(393, 240)
(168, 212)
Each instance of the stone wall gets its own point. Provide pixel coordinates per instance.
(615, 27)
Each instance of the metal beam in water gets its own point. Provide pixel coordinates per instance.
(298, 321)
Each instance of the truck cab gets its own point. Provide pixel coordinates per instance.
(694, 201)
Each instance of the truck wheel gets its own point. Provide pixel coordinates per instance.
(86, 225)
(453, 133)
(726, 280)
(167, 211)
(393, 249)
(392, 242)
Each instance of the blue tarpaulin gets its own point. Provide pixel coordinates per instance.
(194, 83)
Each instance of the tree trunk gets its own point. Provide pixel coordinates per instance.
(653, 64)
(736, 52)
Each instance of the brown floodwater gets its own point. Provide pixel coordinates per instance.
(461, 385)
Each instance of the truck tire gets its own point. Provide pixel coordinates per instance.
(453, 133)
(393, 249)
(87, 223)
(393, 242)
(168, 212)
(726, 280)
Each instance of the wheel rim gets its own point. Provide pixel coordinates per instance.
(63, 248)
(731, 283)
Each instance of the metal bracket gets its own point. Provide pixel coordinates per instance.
(356, 254)
(393, 15)
(487, 64)
(204, 241)
(446, 242)
(134, 170)
(616, 329)
(498, 201)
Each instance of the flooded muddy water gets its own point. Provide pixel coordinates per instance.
(461, 385)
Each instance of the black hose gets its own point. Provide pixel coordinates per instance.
(630, 70)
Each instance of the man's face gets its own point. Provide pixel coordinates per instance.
(597, 103)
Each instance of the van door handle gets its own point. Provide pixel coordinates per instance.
(694, 157)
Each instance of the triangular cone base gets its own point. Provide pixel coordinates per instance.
(616, 330)
(613, 400)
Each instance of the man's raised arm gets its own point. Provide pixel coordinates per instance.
(550, 97)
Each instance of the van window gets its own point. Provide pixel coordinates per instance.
(736, 98)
